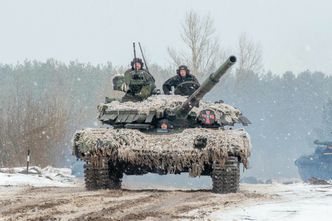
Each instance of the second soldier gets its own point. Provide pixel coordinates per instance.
(182, 75)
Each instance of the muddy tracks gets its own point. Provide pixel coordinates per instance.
(78, 204)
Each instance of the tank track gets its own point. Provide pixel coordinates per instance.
(226, 179)
(100, 174)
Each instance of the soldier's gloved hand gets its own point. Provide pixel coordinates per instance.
(156, 91)
(129, 91)
(124, 87)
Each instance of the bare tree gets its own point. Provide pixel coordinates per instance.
(250, 55)
(42, 104)
(39, 124)
(203, 51)
(161, 74)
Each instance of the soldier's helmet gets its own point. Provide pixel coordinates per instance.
(183, 67)
(136, 60)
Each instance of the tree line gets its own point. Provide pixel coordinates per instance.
(43, 103)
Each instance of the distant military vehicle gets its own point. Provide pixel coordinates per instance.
(317, 165)
(167, 134)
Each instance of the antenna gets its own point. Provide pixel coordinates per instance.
(134, 47)
(146, 65)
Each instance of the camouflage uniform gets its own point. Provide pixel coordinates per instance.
(140, 83)
(176, 80)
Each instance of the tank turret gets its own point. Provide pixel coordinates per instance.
(323, 143)
(178, 111)
(317, 165)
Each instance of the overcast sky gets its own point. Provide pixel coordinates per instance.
(294, 34)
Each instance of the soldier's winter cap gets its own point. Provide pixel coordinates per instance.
(182, 67)
(137, 60)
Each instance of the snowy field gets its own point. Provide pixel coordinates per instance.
(37, 177)
(297, 202)
(49, 193)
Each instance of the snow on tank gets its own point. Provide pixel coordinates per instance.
(167, 134)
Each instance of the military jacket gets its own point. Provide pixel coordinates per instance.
(139, 83)
(175, 81)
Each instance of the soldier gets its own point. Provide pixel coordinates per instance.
(164, 126)
(138, 83)
(183, 75)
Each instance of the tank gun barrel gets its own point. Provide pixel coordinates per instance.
(324, 143)
(206, 87)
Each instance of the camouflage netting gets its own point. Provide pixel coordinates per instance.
(161, 102)
(170, 152)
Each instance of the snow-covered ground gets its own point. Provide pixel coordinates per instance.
(186, 200)
(297, 202)
(37, 177)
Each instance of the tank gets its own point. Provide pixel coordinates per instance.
(317, 165)
(167, 134)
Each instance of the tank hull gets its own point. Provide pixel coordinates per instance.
(315, 166)
(200, 151)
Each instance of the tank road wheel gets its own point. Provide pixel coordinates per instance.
(226, 179)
